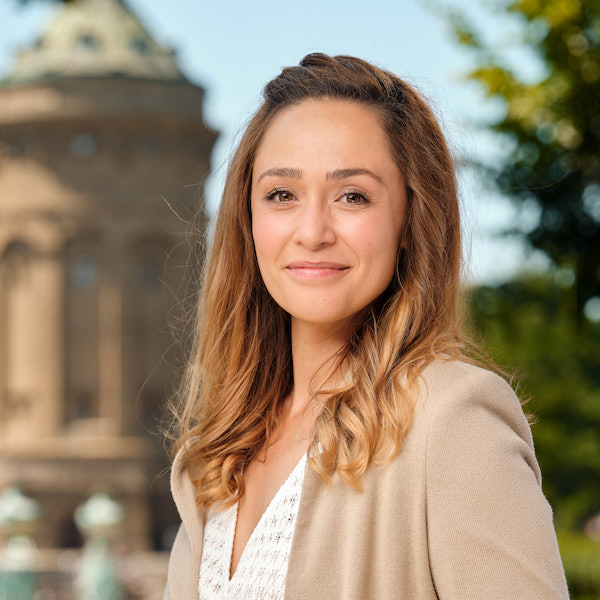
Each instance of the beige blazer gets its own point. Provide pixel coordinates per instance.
(459, 514)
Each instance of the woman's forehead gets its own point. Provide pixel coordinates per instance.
(326, 136)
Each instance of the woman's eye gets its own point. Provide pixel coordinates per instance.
(354, 198)
(281, 196)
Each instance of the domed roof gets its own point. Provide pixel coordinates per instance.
(95, 38)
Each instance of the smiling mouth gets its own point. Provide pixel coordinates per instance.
(318, 270)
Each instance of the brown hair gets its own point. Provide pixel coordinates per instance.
(240, 368)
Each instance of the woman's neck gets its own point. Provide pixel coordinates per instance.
(312, 346)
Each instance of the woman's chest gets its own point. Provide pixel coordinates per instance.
(369, 543)
(261, 567)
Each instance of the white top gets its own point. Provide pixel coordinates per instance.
(262, 568)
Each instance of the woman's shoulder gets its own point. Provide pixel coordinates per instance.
(446, 380)
(458, 375)
(458, 392)
(465, 400)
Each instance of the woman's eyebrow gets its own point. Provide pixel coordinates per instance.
(282, 172)
(345, 173)
(331, 175)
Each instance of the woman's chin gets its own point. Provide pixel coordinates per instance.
(322, 319)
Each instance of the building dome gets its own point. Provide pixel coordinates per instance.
(95, 38)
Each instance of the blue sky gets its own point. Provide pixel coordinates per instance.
(233, 48)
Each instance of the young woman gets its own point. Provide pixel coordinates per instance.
(335, 440)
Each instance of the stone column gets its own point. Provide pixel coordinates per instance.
(46, 336)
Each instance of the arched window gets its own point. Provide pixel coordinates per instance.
(146, 337)
(140, 45)
(87, 42)
(81, 331)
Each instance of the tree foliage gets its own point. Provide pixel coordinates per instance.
(581, 557)
(554, 126)
(529, 326)
(530, 329)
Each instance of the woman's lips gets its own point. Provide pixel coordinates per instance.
(316, 270)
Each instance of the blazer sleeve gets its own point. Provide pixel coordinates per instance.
(489, 526)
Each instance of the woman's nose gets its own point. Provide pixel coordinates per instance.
(314, 227)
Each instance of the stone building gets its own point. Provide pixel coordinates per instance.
(103, 154)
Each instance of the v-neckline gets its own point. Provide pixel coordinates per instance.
(230, 577)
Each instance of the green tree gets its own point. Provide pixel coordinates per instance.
(529, 326)
(554, 127)
(530, 329)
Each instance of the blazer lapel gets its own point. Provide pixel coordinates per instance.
(184, 578)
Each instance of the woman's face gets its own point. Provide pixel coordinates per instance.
(328, 207)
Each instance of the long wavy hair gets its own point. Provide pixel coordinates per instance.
(240, 369)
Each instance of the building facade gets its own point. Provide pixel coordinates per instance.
(103, 156)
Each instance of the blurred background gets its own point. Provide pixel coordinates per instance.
(117, 120)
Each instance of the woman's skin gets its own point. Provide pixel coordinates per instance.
(328, 208)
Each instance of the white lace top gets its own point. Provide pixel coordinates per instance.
(262, 568)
